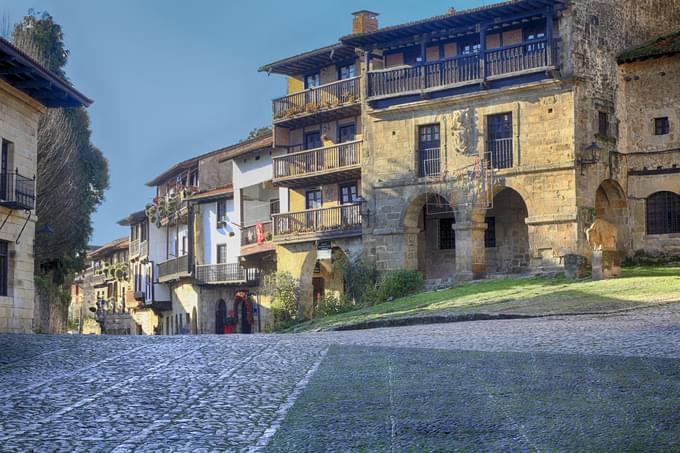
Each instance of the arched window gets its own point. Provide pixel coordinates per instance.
(663, 213)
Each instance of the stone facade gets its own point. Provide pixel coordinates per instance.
(19, 115)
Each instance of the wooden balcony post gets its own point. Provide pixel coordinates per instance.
(549, 36)
(482, 51)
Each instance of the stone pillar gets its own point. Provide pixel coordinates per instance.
(470, 258)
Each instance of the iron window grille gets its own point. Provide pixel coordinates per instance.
(603, 124)
(663, 213)
(499, 143)
(429, 161)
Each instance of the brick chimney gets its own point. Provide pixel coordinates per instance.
(364, 21)
(451, 11)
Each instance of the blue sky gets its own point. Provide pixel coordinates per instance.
(173, 79)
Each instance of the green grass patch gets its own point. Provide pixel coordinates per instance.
(638, 287)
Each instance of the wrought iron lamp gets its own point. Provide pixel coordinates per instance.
(590, 155)
(364, 210)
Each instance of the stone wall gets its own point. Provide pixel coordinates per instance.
(19, 117)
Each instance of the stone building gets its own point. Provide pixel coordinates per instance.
(27, 90)
(489, 137)
(645, 167)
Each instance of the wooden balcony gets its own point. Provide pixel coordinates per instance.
(319, 104)
(319, 166)
(143, 249)
(134, 249)
(323, 223)
(226, 274)
(173, 269)
(511, 61)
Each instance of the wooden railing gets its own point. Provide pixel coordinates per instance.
(324, 97)
(144, 248)
(337, 218)
(249, 233)
(179, 265)
(318, 160)
(134, 248)
(462, 69)
(226, 273)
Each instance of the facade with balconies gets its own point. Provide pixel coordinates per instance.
(487, 134)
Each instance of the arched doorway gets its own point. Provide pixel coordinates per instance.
(220, 317)
(611, 206)
(506, 238)
(430, 239)
(194, 321)
(328, 277)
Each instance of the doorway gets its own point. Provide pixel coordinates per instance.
(220, 317)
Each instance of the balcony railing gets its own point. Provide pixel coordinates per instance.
(173, 268)
(226, 273)
(333, 220)
(321, 98)
(463, 69)
(249, 233)
(16, 191)
(134, 248)
(318, 161)
(144, 248)
(500, 152)
(429, 162)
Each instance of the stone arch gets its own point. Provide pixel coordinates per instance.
(611, 205)
(429, 238)
(507, 236)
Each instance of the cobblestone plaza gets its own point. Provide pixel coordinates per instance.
(347, 390)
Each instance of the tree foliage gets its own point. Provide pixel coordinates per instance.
(258, 131)
(72, 173)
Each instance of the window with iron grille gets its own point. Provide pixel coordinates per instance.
(603, 124)
(663, 213)
(490, 233)
(4, 267)
(661, 126)
(499, 141)
(447, 235)
(429, 163)
(274, 206)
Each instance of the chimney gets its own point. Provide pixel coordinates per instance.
(451, 11)
(364, 22)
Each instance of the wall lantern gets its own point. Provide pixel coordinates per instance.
(364, 210)
(590, 155)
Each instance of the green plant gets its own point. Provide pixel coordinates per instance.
(284, 290)
(360, 278)
(399, 283)
(331, 305)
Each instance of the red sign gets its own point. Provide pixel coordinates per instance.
(259, 231)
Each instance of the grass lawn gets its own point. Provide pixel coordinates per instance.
(393, 399)
(637, 287)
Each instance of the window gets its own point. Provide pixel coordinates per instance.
(221, 213)
(312, 81)
(447, 235)
(499, 144)
(346, 133)
(535, 33)
(490, 233)
(469, 46)
(663, 213)
(274, 206)
(185, 249)
(4, 267)
(349, 193)
(347, 71)
(221, 253)
(4, 170)
(313, 140)
(193, 178)
(661, 126)
(428, 150)
(313, 199)
(603, 124)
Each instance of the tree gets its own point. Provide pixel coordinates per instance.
(258, 131)
(72, 174)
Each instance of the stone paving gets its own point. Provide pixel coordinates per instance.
(231, 393)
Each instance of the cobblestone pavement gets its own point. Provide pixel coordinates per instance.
(216, 393)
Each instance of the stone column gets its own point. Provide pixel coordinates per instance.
(470, 258)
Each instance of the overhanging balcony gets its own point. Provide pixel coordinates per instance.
(16, 191)
(134, 249)
(515, 61)
(226, 274)
(319, 104)
(323, 223)
(173, 269)
(319, 166)
(252, 243)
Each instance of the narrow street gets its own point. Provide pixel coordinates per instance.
(307, 392)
